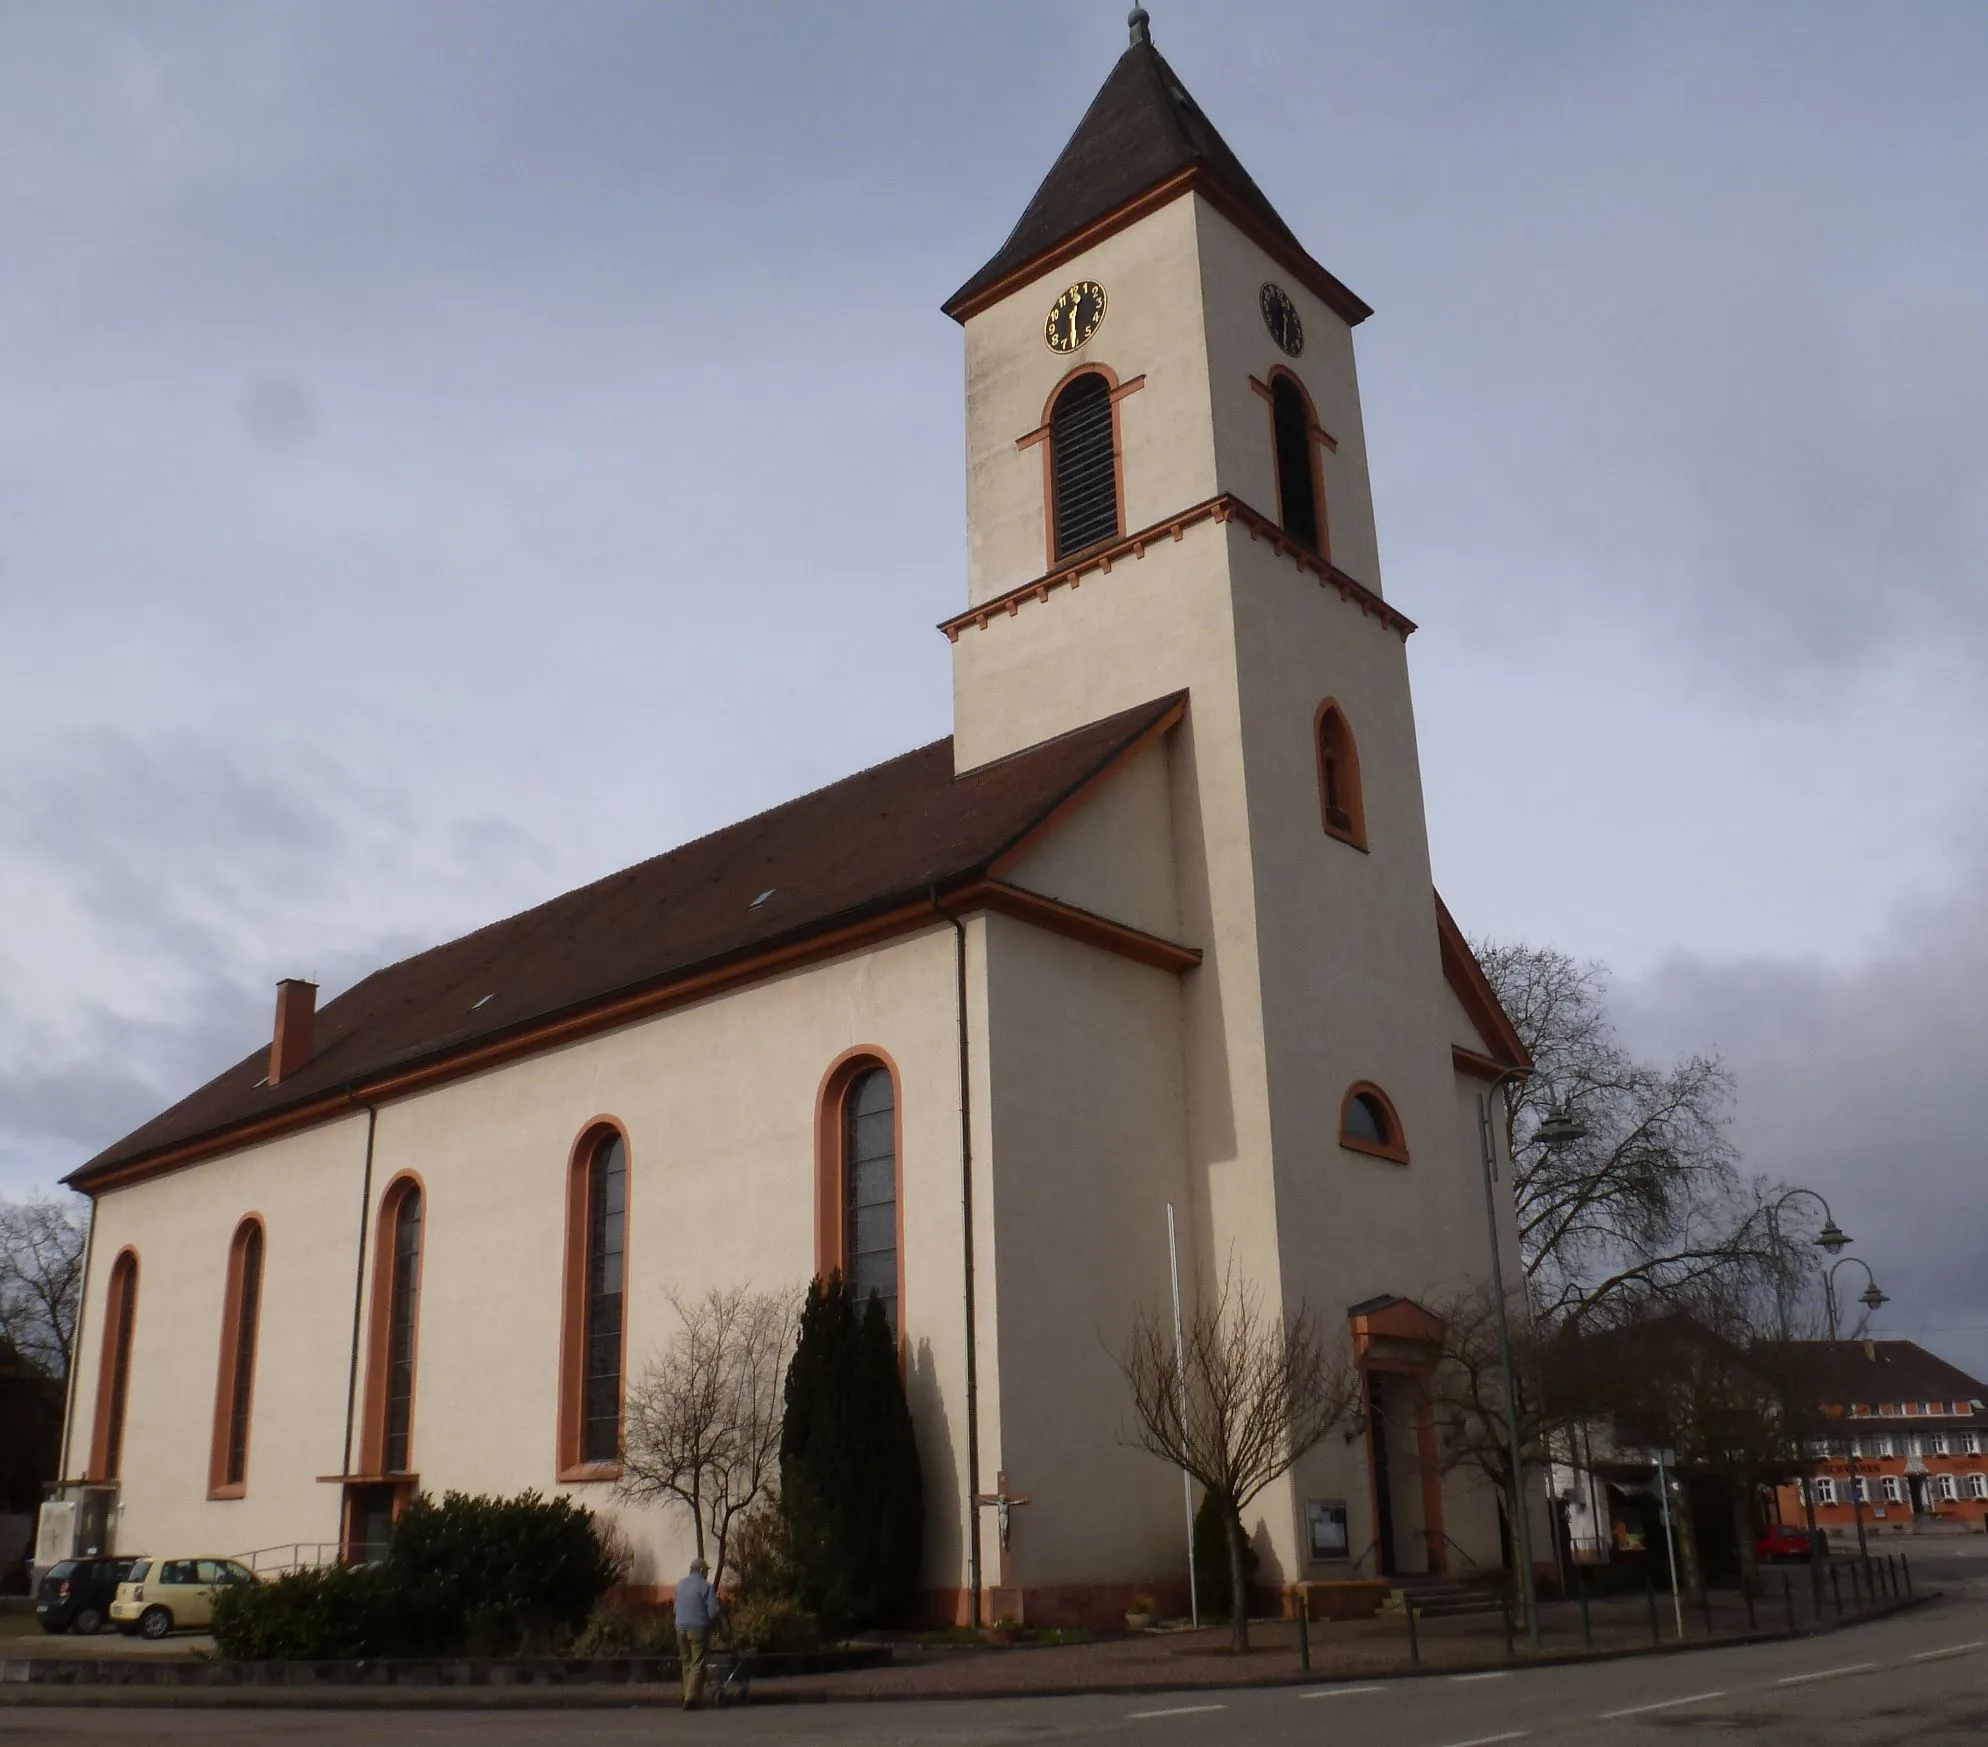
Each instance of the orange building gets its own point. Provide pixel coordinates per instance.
(1913, 1446)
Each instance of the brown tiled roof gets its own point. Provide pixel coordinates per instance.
(1141, 130)
(857, 849)
(1874, 1372)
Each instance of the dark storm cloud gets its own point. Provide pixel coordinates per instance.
(1864, 1083)
(170, 885)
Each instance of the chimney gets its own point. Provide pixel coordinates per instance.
(296, 1012)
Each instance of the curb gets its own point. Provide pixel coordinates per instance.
(24, 1696)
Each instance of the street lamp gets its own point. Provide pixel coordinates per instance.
(1871, 1298)
(1558, 1129)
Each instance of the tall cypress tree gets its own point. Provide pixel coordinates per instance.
(851, 1494)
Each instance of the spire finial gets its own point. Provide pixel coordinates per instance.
(1142, 26)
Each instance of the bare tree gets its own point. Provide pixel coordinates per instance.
(1257, 1392)
(1652, 1199)
(41, 1280)
(1467, 1393)
(703, 1424)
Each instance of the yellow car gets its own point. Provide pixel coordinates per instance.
(168, 1595)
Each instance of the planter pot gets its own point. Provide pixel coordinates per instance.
(1139, 1622)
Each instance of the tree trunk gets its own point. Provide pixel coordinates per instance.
(1745, 1530)
(1238, 1584)
(1690, 1576)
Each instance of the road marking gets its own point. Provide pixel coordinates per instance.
(1665, 1704)
(1338, 1691)
(1950, 1650)
(1495, 1674)
(1826, 1673)
(1487, 1740)
(1176, 1711)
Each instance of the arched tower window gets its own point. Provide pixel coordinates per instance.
(857, 1183)
(1340, 802)
(592, 1348)
(1083, 465)
(1368, 1124)
(114, 1369)
(234, 1390)
(1292, 422)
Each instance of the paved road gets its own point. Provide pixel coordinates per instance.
(1920, 1678)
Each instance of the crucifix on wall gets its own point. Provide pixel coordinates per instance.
(1003, 1504)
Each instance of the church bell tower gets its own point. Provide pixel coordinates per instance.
(1167, 493)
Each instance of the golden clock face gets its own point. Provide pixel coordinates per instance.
(1074, 316)
(1280, 316)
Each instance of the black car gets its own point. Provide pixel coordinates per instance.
(75, 1595)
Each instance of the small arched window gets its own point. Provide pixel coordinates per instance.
(114, 1369)
(1291, 422)
(1083, 465)
(234, 1390)
(1341, 805)
(1368, 1124)
(592, 1349)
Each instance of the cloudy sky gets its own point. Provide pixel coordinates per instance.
(451, 450)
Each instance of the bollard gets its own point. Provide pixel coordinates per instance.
(1650, 1590)
(1788, 1598)
(1587, 1625)
(1891, 1575)
(1705, 1604)
(1414, 1643)
(1304, 1631)
(1746, 1595)
(1508, 1630)
(1905, 1565)
(1836, 1589)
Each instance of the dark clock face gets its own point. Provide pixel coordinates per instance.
(1280, 316)
(1074, 316)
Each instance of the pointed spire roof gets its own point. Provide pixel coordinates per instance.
(1143, 141)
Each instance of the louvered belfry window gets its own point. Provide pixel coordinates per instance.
(1296, 495)
(1083, 468)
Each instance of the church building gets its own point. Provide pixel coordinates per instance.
(1153, 930)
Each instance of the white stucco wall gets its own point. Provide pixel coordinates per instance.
(1115, 855)
(1088, 1150)
(719, 1102)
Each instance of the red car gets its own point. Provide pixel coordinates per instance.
(1790, 1541)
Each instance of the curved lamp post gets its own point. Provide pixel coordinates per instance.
(1558, 1129)
(1871, 1298)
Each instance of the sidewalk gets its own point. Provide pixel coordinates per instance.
(1139, 1663)
(1343, 1650)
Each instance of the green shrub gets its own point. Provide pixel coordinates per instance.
(757, 1554)
(493, 1576)
(613, 1629)
(1211, 1561)
(330, 1612)
(851, 1497)
(468, 1576)
(773, 1625)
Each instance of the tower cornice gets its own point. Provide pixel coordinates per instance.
(1225, 507)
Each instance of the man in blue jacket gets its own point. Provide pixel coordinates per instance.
(697, 1612)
